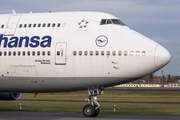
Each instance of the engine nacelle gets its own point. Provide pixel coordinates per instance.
(10, 96)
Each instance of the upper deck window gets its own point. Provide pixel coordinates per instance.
(25, 25)
(20, 25)
(111, 21)
(2, 26)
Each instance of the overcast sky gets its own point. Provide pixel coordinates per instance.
(156, 19)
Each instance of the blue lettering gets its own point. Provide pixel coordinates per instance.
(33, 42)
(91, 91)
(95, 92)
(46, 42)
(5, 40)
(13, 43)
(21, 41)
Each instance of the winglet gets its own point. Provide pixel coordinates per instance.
(13, 11)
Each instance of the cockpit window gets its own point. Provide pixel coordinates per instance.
(103, 21)
(116, 21)
(111, 21)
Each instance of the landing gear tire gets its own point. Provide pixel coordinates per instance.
(96, 111)
(92, 110)
(89, 111)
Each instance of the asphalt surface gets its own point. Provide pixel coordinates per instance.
(24, 115)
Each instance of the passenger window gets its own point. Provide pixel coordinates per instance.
(19, 53)
(2, 26)
(33, 53)
(38, 53)
(125, 53)
(34, 25)
(5, 53)
(24, 53)
(108, 52)
(29, 25)
(43, 53)
(137, 53)
(131, 53)
(119, 53)
(74, 53)
(103, 22)
(97, 52)
(28, 53)
(49, 53)
(48, 25)
(109, 21)
(58, 25)
(9, 53)
(14, 53)
(25, 25)
(143, 53)
(102, 53)
(85, 53)
(44, 25)
(53, 25)
(114, 53)
(20, 25)
(39, 25)
(58, 53)
(91, 53)
(0, 53)
(80, 52)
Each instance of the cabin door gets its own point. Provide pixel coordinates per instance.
(12, 25)
(61, 53)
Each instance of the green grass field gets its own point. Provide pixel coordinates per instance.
(121, 108)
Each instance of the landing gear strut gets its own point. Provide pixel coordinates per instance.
(92, 110)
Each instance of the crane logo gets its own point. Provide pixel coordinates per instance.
(101, 41)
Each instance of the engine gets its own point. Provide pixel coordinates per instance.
(10, 96)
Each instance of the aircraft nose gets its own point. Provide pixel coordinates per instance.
(162, 57)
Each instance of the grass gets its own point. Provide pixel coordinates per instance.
(121, 108)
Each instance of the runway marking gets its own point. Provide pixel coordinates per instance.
(100, 101)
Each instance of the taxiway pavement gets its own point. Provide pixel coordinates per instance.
(24, 115)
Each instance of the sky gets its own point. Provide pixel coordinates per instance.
(156, 19)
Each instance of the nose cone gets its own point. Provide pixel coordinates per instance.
(162, 57)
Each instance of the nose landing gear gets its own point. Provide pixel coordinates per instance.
(92, 110)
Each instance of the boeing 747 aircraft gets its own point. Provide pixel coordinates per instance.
(72, 51)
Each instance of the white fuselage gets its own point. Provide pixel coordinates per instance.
(74, 53)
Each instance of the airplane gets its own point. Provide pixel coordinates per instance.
(72, 51)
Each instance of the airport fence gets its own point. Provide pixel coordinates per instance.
(150, 85)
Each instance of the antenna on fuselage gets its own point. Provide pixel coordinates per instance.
(13, 11)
